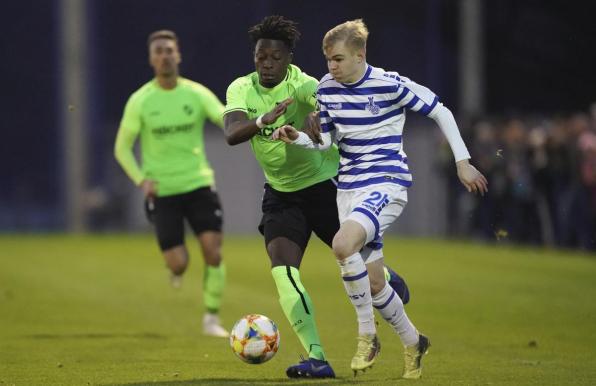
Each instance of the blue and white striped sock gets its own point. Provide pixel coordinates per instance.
(357, 285)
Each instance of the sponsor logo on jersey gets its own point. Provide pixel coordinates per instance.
(165, 130)
(267, 131)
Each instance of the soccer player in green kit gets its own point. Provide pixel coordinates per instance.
(169, 113)
(300, 191)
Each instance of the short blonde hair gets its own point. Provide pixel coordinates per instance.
(354, 33)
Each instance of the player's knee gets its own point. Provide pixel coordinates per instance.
(210, 243)
(212, 257)
(342, 248)
(178, 267)
(283, 251)
(176, 259)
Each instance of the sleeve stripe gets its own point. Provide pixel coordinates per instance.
(327, 127)
(426, 109)
(403, 93)
(412, 102)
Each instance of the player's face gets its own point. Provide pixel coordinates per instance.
(344, 63)
(164, 57)
(272, 58)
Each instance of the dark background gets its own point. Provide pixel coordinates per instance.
(538, 59)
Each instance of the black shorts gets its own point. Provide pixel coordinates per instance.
(200, 207)
(295, 215)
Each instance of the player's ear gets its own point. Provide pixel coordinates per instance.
(290, 57)
(361, 54)
(178, 54)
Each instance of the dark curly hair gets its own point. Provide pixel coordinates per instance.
(276, 28)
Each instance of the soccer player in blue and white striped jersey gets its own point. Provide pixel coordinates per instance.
(362, 109)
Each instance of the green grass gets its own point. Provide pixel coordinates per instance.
(99, 310)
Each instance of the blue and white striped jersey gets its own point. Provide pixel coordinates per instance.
(367, 119)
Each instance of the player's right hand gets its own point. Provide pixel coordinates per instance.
(286, 133)
(149, 188)
(277, 112)
(471, 178)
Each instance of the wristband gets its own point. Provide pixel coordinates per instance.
(259, 122)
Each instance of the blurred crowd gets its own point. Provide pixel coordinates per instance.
(542, 181)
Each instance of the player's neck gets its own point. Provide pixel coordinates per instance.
(358, 74)
(167, 82)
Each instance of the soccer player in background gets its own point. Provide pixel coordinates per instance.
(362, 108)
(168, 113)
(300, 192)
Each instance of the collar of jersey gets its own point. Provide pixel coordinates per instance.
(364, 77)
(266, 90)
(158, 87)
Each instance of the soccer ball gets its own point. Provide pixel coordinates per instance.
(254, 339)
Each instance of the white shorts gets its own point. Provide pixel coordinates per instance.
(375, 209)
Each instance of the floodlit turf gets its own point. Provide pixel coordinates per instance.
(99, 310)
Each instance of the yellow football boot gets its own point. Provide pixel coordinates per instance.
(413, 356)
(366, 353)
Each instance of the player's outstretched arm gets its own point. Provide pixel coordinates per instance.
(289, 134)
(469, 176)
(286, 133)
(238, 128)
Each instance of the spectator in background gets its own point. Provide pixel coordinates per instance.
(486, 151)
(543, 186)
(582, 226)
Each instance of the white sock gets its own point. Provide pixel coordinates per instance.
(357, 285)
(390, 306)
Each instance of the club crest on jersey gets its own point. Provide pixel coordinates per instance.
(372, 107)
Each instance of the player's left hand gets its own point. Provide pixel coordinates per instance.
(277, 112)
(286, 133)
(471, 178)
(312, 127)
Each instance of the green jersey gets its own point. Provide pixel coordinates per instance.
(287, 168)
(170, 123)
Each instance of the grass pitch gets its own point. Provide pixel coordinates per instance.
(98, 310)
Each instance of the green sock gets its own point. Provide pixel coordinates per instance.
(298, 308)
(214, 281)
